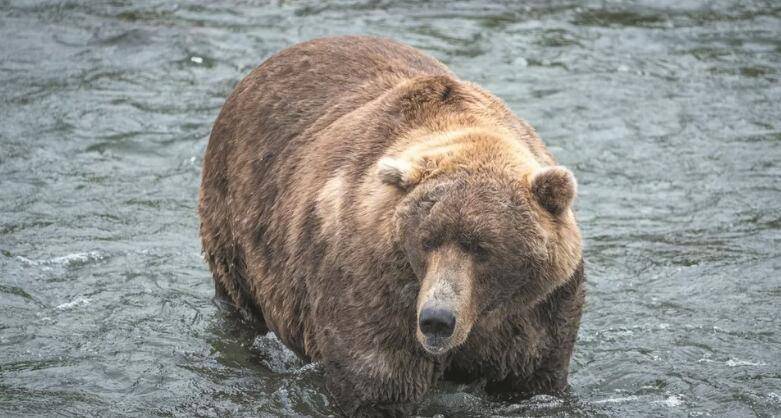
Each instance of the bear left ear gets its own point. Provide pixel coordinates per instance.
(554, 188)
(395, 172)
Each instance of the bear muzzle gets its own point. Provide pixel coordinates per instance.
(444, 303)
(442, 325)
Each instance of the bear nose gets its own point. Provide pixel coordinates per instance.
(437, 322)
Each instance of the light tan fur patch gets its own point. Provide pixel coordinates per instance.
(422, 154)
(329, 203)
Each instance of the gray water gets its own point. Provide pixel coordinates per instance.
(667, 112)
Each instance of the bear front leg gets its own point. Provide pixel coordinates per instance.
(559, 316)
(549, 377)
(377, 381)
(360, 397)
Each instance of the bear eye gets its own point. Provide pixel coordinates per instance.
(474, 248)
(428, 244)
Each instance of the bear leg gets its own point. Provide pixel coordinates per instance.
(368, 380)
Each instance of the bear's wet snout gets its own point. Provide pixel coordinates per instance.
(437, 323)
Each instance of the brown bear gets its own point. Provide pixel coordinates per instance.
(392, 222)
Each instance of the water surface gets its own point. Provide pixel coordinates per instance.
(668, 113)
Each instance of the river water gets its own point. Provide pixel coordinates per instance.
(667, 111)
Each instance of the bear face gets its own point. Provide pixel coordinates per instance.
(480, 238)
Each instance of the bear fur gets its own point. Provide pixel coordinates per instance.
(350, 181)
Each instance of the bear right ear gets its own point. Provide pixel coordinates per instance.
(554, 188)
(395, 172)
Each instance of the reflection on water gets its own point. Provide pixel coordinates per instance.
(666, 111)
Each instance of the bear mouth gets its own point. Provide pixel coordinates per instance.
(435, 345)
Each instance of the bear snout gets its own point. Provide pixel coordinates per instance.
(445, 309)
(436, 323)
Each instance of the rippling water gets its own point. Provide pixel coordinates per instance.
(668, 113)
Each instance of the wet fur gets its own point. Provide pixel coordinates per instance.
(308, 234)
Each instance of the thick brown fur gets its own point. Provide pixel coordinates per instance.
(347, 180)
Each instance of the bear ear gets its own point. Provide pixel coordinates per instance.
(554, 188)
(394, 171)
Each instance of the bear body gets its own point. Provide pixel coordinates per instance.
(392, 222)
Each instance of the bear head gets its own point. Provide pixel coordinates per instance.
(486, 235)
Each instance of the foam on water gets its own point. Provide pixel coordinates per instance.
(74, 303)
(68, 260)
(274, 355)
(673, 401)
(741, 363)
